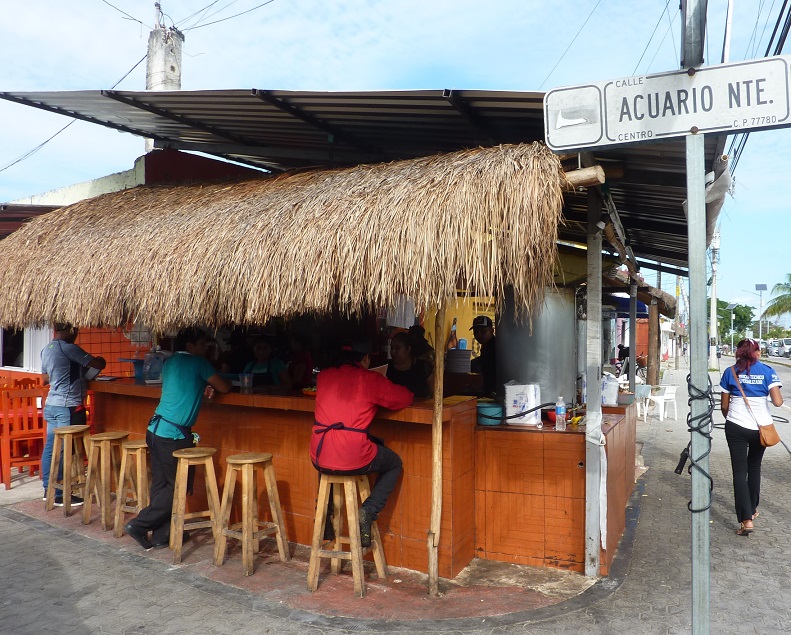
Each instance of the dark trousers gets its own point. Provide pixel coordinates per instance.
(746, 455)
(387, 464)
(156, 517)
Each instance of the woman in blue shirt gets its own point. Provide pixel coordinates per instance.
(759, 383)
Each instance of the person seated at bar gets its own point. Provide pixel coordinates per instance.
(421, 349)
(186, 377)
(347, 399)
(238, 355)
(300, 368)
(486, 363)
(406, 370)
(267, 370)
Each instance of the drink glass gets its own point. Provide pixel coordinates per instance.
(246, 382)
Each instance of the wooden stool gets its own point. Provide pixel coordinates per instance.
(103, 449)
(71, 442)
(250, 530)
(354, 490)
(134, 473)
(181, 520)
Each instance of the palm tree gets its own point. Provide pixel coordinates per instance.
(782, 303)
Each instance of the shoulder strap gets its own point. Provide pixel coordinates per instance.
(741, 390)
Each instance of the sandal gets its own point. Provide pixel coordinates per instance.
(743, 530)
(756, 514)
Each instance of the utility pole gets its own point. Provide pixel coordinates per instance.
(676, 324)
(699, 421)
(163, 66)
(715, 260)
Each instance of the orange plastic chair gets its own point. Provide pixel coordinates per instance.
(24, 431)
(26, 382)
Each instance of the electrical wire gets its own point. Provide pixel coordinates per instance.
(664, 37)
(230, 17)
(134, 19)
(699, 424)
(568, 47)
(650, 39)
(33, 151)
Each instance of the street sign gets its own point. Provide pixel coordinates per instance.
(729, 98)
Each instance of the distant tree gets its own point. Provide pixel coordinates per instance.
(742, 320)
(782, 303)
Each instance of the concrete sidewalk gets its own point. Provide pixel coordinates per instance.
(65, 577)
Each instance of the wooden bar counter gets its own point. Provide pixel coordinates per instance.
(514, 494)
(282, 425)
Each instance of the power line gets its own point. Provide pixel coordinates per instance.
(263, 4)
(567, 48)
(33, 151)
(650, 39)
(131, 17)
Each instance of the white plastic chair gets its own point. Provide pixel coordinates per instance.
(641, 393)
(664, 394)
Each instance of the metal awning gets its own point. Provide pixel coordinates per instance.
(286, 130)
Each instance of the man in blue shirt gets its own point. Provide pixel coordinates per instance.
(186, 377)
(64, 365)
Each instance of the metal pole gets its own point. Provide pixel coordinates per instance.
(593, 414)
(731, 331)
(632, 335)
(760, 314)
(693, 33)
(700, 442)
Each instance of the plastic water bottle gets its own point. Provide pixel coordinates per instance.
(560, 414)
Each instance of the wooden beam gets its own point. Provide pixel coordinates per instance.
(585, 177)
(436, 456)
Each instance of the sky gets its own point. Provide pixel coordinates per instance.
(51, 45)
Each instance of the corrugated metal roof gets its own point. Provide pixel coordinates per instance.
(283, 130)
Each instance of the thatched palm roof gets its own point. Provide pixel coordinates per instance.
(241, 252)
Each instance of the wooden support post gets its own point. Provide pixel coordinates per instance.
(436, 457)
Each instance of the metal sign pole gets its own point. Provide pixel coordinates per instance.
(699, 421)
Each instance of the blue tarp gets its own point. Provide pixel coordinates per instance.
(622, 307)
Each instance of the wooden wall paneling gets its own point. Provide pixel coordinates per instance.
(564, 531)
(564, 466)
(514, 462)
(480, 523)
(516, 525)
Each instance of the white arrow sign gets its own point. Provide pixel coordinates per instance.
(726, 98)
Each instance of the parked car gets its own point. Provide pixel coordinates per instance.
(764, 345)
(774, 348)
(785, 347)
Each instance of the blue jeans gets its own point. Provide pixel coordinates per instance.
(55, 416)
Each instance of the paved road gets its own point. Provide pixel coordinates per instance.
(58, 582)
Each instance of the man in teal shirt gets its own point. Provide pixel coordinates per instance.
(186, 377)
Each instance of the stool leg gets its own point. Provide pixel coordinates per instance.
(68, 454)
(179, 508)
(248, 517)
(120, 494)
(57, 450)
(353, 517)
(213, 496)
(225, 515)
(336, 564)
(318, 531)
(90, 483)
(277, 512)
(141, 475)
(103, 486)
(364, 488)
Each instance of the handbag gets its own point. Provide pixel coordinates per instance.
(768, 433)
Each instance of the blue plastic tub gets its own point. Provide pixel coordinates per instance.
(490, 409)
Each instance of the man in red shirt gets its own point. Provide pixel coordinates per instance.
(347, 399)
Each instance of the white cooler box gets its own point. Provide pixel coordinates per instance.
(521, 397)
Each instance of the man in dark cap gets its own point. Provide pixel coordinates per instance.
(486, 363)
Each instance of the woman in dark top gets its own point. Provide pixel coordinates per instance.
(405, 370)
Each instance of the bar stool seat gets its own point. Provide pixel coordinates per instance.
(250, 530)
(103, 458)
(181, 521)
(133, 489)
(352, 490)
(71, 443)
